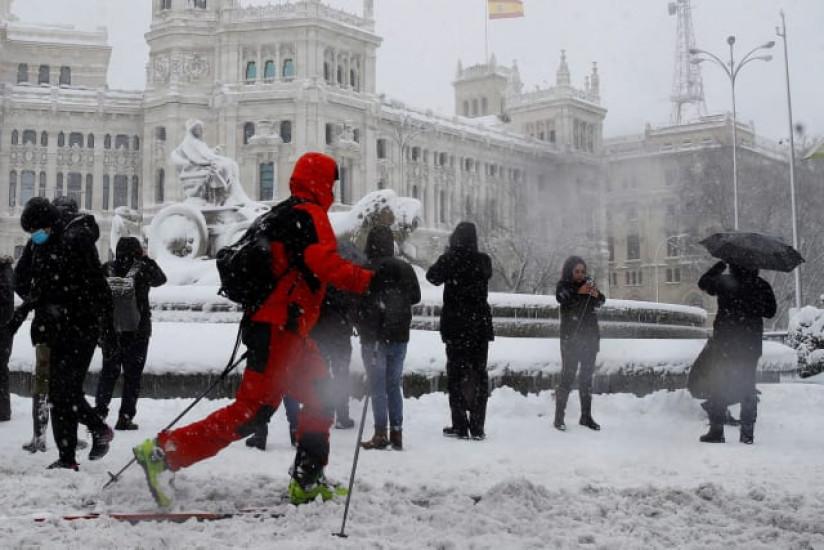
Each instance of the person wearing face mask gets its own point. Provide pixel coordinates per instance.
(579, 299)
(60, 278)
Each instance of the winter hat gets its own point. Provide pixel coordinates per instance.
(380, 243)
(66, 205)
(38, 213)
(464, 237)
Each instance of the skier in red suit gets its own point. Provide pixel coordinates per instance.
(282, 359)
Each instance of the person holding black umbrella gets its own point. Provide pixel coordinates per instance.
(744, 300)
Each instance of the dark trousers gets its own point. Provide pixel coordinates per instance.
(577, 359)
(743, 381)
(70, 358)
(130, 359)
(468, 384)
(6, 339)
(338, 354)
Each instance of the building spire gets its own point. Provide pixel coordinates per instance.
(369, 10)
(563, 77)
(595, 82)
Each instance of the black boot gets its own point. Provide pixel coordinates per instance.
(40, 419)
(747, 434)
(561, 397)
(586, 413)
(61, 464)
(312, 454)
(715, 434)
(101, 439)
(258, 440)
(449, 431)
(124, 423)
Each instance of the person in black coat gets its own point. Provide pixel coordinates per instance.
(6, 337)
(129, 354)
(384, 322)
(579, 299)
(744, 301)
(466, 329)
(61, 279)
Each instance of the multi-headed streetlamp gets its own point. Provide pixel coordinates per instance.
(732, 69)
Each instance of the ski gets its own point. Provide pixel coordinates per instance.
(168, 517)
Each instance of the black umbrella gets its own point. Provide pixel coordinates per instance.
(753, 250)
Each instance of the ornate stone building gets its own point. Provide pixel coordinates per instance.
(271, 83)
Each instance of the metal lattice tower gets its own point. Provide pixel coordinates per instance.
(687, 85)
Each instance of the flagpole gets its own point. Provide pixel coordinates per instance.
(486, 31)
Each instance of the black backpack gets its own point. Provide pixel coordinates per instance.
(245, 268)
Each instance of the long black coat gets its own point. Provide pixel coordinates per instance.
(385, 313)
(6, 291)
(65, 283)
(465, 272)
(732, 354)
(579, 318)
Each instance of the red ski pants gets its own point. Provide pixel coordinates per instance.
(279, 362)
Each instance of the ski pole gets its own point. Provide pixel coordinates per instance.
(114, 478)
(342, 533)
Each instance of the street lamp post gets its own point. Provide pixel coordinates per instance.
(732, 69)
(655, 261)
(782, 32)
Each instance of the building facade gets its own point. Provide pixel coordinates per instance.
(270, 83)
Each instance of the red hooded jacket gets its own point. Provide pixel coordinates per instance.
(295, 303)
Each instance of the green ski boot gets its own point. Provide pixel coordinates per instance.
(150, 458)
(327, 491)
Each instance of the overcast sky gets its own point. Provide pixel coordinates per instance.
(632, 40)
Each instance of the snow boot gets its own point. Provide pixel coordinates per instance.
(308, 480)
(61, 464)
(747, 434)
(101, 440)
(586, 414)
(258, 439)
(714, 435)
(378, 441)
(152, 459)
(298, 494)
(449, 431)
(124, 423)
(730, 420)
(396, 438)
(40, 419)
(561, 398)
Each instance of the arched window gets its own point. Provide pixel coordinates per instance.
(353, 78)
(22, 73)
(289, 68)
(251, 71)
(135, 192)
(121, 141)
(160, 133)
(160, 186)
(58, 188)
(107, 141)
(76, 139)
(89, 191)
(61, 139)
(201, 4)
(286, 131)
(340, 75)
(121, 191)
(90, 141)
(12, 189)
(15, 137)
(136, 143)
(29, 137)
(27, 181)
(165, 4)
(43, 74)
(74, 187)
(42, 191)
(269, 70)
(65, 76)
(44, 139)
(381, 146)
(327, 72)
(248, 132)
(106, 192)
(267, 181)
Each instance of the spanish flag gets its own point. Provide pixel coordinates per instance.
(504, 9)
